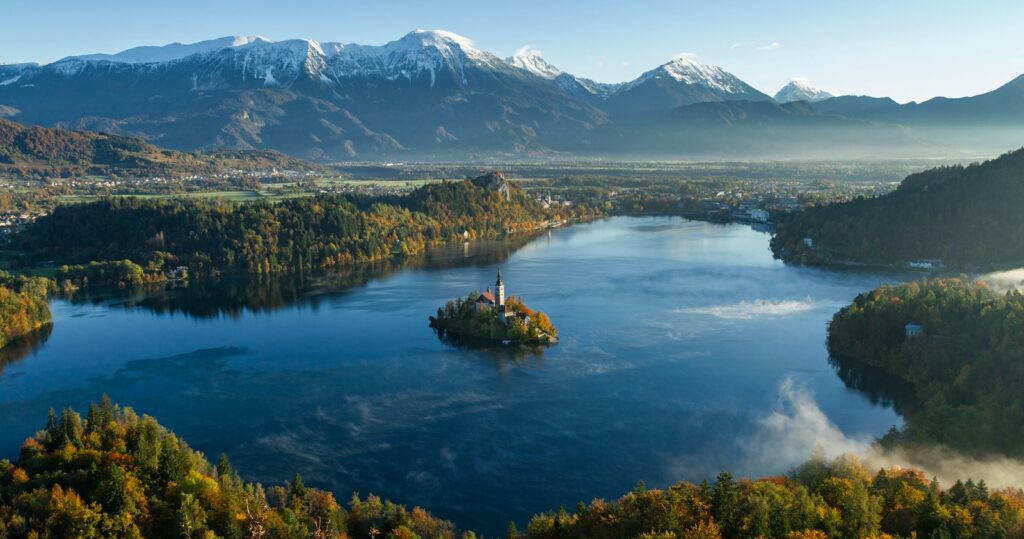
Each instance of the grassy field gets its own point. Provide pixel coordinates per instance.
(233, 196)
(271, 191)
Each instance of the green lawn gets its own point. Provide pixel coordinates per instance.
(234, 196)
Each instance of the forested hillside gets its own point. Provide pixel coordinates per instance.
(115, 474)
(966, 369)
(30, 151)
(23, 307)
(319, 233)
(964, 216)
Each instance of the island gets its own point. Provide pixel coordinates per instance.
(491, 317)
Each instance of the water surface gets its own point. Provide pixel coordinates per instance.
(685, 349)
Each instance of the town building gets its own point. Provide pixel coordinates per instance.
(758, 215)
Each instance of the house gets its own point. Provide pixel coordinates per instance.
(925, 264)
(809, 242)
(758, 215)
(914, 330)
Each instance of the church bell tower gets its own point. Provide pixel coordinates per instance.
(499, 291)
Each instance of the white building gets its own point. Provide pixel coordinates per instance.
(758, 215)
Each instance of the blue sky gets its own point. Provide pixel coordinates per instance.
(909, 50)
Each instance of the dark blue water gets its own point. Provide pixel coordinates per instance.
(686, 349)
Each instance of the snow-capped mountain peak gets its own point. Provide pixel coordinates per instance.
(686, 69)
(447, 44)
(174, 51)
(529, 59)
(440, 38)
(419, 51)
(801, 90)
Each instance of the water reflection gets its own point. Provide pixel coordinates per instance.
(880, 387)
(17, 350)
(490, 349)
(359, 395)
(233, 296)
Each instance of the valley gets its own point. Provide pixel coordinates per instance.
(697, 270)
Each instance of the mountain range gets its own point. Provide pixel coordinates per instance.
(434, 95)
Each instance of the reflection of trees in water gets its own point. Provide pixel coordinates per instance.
(878, 386)
(488, 347)
(233, 295)
(17, 349)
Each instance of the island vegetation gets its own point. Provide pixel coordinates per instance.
(114, 474)
(23, 307)
(321, 233)
(472, 318)
(959, 347)
(955, 215)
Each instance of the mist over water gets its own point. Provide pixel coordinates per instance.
(798, 429)
(686, 350)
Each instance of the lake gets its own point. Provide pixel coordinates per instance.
(685, 350)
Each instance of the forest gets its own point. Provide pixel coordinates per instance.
(32, 151)
(116, 474)
(320, 233)
(962, 216)
(966, 368)
(23, 307)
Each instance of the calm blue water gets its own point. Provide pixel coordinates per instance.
(686, 349)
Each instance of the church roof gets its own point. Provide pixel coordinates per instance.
(486, 297)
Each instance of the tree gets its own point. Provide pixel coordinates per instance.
(191, 517)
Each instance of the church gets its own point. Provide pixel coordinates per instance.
(493, 300)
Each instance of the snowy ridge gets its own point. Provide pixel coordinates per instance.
(12, 73)
(280, 63)
(685, 69)
(801, 90)
(419, 53)
(529, 59)
(174, 51)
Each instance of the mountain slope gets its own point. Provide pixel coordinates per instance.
(756, 130)
(432, 95)
(427, 92)
(960, 215)
(683, 81)
(39, 150)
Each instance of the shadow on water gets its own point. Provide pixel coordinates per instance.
(880, 387)
(497, 352)
(232, 296)
(19, 348)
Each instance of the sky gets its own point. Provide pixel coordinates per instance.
(907, 50)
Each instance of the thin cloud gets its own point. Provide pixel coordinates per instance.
(737, 45)
(527, 50)
(771, 46)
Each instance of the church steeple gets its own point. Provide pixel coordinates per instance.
(499, 289)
